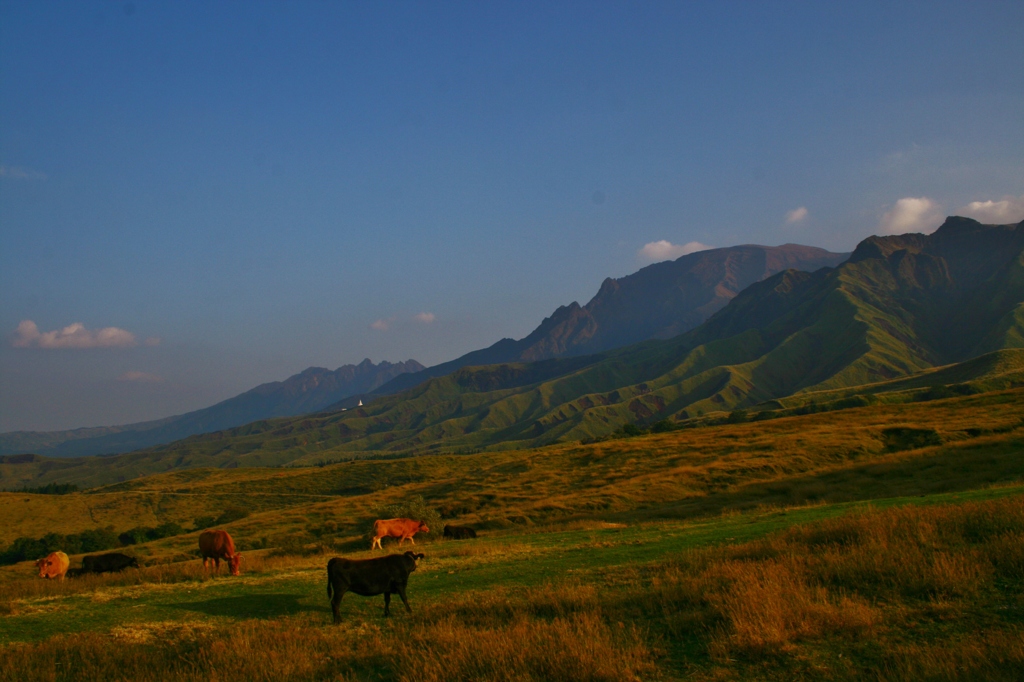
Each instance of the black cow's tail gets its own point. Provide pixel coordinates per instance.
(329, 564)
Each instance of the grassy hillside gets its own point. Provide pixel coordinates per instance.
(883, 542)
(833, 456)
(319, 438)
(898, 308)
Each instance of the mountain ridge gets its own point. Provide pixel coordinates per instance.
(867, 322)
(658, 301)
(308, 391)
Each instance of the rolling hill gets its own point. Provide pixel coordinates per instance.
(308, 391)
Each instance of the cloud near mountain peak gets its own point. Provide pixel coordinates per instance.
(663, 249)
(911, 214)
(1009, 209)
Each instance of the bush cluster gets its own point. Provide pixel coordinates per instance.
(98, 540)
(50, 489)
(29, 549)
(146, 533)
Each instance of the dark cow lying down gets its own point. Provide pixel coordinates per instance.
(370, 577)
(459, 532)
(107, 563)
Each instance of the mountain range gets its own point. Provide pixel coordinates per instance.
(884, 319)
(898, 306)
(308, 391)
(903, 315)
(656, 302)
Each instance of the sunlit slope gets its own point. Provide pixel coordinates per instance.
(836, 457)
(874, 318)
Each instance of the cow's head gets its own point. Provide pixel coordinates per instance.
(47, 567)
(414, 557)
(235, 562)
(423, 528)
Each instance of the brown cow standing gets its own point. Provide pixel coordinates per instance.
(403, 529)
(217, 545)
(53, 566)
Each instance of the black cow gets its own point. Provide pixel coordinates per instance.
(370, 577)
(459, 532)
(108, 563)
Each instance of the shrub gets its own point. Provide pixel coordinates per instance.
(737, 417)
(661, 426)
(231, 514)
(145, 534)
(202, 522)
(904, 438)
(52, 489)
(631, 430)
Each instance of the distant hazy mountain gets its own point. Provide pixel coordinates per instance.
(657, 302)
(307, 391)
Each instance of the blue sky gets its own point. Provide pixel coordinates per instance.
(249, 189)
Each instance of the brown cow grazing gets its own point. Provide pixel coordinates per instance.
(53, 566)
(217, 545)
(370, 577)
(403, 529)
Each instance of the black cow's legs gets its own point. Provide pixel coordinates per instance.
(336, 604)
(387, 603)
(401, 593)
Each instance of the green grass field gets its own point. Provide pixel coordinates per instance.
(810, 547)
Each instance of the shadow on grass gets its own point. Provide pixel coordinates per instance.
(254, 606)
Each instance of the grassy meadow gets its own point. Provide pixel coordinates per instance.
(882, 542)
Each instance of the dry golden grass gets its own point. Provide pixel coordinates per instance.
(898, 594)
(439, 646)
(23, 586)
(836, 456)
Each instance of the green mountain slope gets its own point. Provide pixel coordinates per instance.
(656, 302)
(898, 308)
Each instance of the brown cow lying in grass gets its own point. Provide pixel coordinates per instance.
(403, 529)
(370, 577)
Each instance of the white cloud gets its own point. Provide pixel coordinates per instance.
(425, 318)
(666, 250)
(911, 214)
(19, 173)
(1008, 210)
(142, 377)
(27, 335)
(380, 325)
(796, 215)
